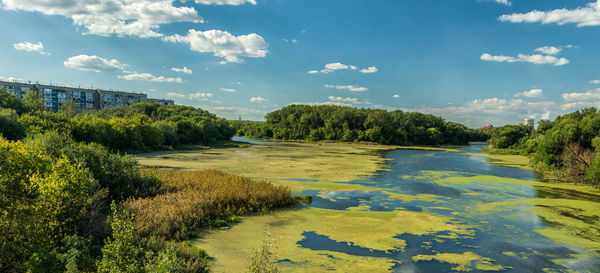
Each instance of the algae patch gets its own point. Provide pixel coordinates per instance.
(463, 261)
(373, 230)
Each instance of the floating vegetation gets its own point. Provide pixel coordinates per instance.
(431, 210)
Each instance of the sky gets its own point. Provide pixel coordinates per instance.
(476, 62)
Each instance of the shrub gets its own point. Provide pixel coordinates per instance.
(263, 259)
(200, 199)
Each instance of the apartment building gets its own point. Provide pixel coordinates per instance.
(55, 97)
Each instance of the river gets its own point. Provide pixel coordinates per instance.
(424, 211)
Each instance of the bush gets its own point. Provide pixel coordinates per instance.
(10, 128)
(201, 199)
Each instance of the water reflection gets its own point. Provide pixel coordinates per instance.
(462, 185)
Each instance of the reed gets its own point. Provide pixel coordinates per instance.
(194, 200)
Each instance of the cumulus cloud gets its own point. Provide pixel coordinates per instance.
(368, 70)
(93, 63)
(230, 90)
(595, 82)
(332, 67)
(549, 50)
(10, 79)
(495, 111)
(225, 2)
(396, 96)
(535, 59)
(182, 70)
(198, 95)
(504, 2)
(582, 96)
(352, 88)
(588, 15)
(141, 18)
(345, 100)
(533, 93)
(193, 96)
(30, 47)
(258, 99)
(149, 77)
(223, 44)
(176, 95)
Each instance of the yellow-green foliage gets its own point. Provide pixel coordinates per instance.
(199, 199)
(42, 199)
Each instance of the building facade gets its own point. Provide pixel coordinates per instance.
(55, 97)
(529, 122)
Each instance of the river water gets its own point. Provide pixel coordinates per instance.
(463, 186)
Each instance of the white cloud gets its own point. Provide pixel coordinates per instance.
(141, 18)
(294, 41)
(225, 2)
(396, 96)
(578, 100)
(595, 82)
(498, 58)
(583, 96)
(533, 93)
(549, 50)
(582, 16)
(345, 100)
(230, 90)
(193, 96)
(223, 44)
(176, 95)
(493, 111)
(93, 63)
(30, 47)
(535, 59)
(504, 2)
(332, 67)
(371, 69)
(10, 79)
(352, 88)
(148, 77)
(543, 59)
(182, 70)
(258, 99)
(198, 95)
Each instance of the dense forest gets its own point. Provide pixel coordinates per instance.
(328, 122)
(568, 147)
(71, 202)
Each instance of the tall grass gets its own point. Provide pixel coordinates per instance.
(201, 199)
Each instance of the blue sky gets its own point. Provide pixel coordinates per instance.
(472, 61)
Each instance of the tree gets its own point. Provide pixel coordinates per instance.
(10, 128)
(122, 252)
(33, 102)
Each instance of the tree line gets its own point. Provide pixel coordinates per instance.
(338, 123)
(142, 126)
(568, 146)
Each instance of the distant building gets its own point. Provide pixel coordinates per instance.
(84, 99)
(529, 122)
(487, 127)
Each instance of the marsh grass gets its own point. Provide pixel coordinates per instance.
(202, 199)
